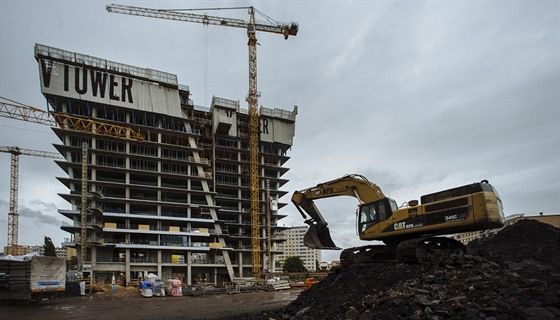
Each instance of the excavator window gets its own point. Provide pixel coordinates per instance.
(374, 212)
(382, 213)
(368, 217)
(394, 206)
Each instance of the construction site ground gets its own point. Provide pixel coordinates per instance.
(512, 275)
(129, 304)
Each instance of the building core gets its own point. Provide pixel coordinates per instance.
(177, 201)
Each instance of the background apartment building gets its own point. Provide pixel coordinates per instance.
(293, 246)
(21, 250)
(177, 202)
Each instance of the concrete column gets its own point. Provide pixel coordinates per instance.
(240, 264)
(93, 257)
(189, 270)
(159, 270)
(127, 266)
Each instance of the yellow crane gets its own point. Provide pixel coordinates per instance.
(15, 110)
(18, 111)
(252, 97)
(13, 215)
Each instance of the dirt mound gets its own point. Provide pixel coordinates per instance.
(513, 275)
(527, 239)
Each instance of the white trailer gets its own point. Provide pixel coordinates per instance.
(32, 277)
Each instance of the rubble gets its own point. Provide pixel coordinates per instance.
(512, 275)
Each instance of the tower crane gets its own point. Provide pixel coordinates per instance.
(252, 97)
(13, 215)
(18, 111)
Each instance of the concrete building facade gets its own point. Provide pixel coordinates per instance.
(177, 202)
(17, 250)
(21, 250)
(293, 246)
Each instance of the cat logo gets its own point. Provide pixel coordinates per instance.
(399, 225)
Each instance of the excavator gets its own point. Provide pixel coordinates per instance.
(411, 233)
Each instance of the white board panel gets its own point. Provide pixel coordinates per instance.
(85, 83)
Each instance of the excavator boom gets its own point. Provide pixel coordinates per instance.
(318, 236)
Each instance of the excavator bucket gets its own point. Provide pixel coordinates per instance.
(319, 237)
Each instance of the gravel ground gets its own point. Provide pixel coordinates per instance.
(129, 304)
(513, 275)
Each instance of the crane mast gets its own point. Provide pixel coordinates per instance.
(13, 215)
(83, 204)
(252, 97)
(252, 101)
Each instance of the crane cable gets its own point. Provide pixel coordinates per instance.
(205, 79)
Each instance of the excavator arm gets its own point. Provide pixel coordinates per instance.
(354, 185)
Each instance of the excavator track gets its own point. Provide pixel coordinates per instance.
(368, 254)
(406, 251)
(420, 250)
(437, 249)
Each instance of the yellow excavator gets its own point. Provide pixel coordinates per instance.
(410, 232)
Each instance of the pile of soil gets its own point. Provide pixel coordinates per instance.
(525, 240)
(512, 275)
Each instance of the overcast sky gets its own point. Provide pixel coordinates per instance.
(417, 96)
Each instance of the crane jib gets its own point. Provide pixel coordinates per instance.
(285, 29)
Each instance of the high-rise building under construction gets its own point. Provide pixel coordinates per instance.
(174, 200)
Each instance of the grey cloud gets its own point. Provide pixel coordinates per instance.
(416, 96)
(41, 213)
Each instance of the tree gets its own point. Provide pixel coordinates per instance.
(48, 248)
(294, 264)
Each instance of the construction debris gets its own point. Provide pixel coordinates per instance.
(513, 275)
(278, 284)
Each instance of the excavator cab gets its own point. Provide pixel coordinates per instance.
(370, 214)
